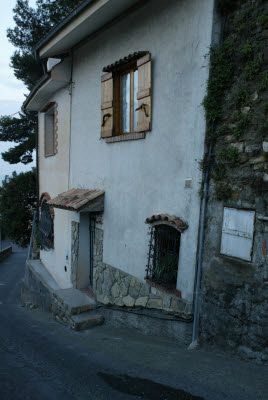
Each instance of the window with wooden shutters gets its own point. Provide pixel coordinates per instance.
(107, 96)
(237, 233)
(144, 93)
(126, 96)
(50, 129)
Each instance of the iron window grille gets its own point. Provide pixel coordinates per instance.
(45, 231)
(163, 255)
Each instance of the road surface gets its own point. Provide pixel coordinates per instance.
(43, 360)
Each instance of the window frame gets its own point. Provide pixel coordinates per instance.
(45, 241)
(222, 232)
(162, 236)
(48, 110)
(140, 63)
(118, 98)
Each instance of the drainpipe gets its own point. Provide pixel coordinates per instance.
(37, 165)
(194, 343)
(70, 121)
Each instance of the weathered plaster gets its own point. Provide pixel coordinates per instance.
(145, 177)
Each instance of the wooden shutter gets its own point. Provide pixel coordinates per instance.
(144, 93)
(237, 233)
(107, 118)
(49, 134)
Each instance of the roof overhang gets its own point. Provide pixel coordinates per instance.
(86, 19)
(79, 200)
(58, 78)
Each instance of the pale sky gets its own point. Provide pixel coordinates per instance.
(11, 90)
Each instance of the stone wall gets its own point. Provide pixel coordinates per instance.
(115, 287)
(234, 293)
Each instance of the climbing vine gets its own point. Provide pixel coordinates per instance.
(235, 106)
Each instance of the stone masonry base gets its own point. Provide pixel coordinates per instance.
(115, 287)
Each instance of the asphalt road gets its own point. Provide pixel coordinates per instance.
(42, 360)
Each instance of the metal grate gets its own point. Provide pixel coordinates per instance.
(163, 255)
(44, 231)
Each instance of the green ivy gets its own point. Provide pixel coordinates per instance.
(264, 80)
(253, 68)
(220, 77)
(228, 155)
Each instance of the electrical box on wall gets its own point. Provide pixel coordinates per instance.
(237, 233)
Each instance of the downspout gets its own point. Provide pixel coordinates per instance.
(194, 343)
(37, 166)
(70, 121)
(68, 247)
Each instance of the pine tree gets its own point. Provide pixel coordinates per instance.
(18, 192)
(17, 201)
(31, 25)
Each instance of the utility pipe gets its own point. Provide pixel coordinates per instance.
(194, 343)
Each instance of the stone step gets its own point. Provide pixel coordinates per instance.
(74, 300)
(86, 320)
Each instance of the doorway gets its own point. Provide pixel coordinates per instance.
(86, 251)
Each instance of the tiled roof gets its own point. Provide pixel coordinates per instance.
(123, 61)
(171, 220)
(75, 199)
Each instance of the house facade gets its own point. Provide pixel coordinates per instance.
(121, 133)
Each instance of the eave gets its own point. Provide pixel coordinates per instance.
(58, 78)
(86, 19)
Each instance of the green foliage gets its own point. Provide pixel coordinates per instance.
(242, 20)
(264, 127)
(266, 108)
(240, 121)
(241, 97)
(220, 78)
(223, 191)
(219, 172)
(31, 25)
(263, 20)
(21, 131)
(228, 155)
(17, 200)
(223, 130)
(253, 68)
(264, 80)
(247, 50)
(25, 68)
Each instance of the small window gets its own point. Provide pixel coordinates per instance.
(126, 96)
(45, 228)
(50, 131)
(163, 255)
(237, 233)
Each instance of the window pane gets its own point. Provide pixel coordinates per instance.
(49, 134)
(135, 91)
(125, 102)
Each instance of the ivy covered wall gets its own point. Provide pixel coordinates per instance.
(234, 293)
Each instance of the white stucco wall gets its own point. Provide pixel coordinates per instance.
(53, 179)
(146, 177)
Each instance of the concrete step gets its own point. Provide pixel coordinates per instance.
(86, 320)
(74, 300)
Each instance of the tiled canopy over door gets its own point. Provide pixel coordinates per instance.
(237, 233)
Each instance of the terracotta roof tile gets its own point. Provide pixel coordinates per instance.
(75, 199)
(171, 220)
(123, 61)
